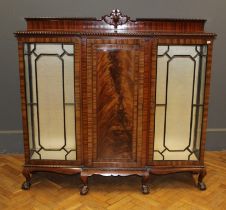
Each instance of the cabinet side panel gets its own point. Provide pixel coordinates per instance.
(206, 101)
(23, 100)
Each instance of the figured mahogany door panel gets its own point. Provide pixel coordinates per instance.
(116, 89)
(116, 69)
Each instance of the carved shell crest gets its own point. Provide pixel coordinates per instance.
(116, 18)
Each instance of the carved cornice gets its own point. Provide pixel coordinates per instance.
(116, 18)
(137, 34)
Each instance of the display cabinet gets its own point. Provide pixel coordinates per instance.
(114, 96)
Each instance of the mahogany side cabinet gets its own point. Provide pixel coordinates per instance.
(114, 96)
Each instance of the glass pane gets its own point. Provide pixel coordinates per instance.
(49, 72)
(197, 126)
(70, 126)
(35, 127)
(71, 155)
(199, 79)
(177, 155)
(69, 78)
(53, 155)
(31, 143)
(68, 48)
(179, 101)
(48, 49)
(159, 128)
(50, 102)
(162, 50)
(161, 82)
(182, 50)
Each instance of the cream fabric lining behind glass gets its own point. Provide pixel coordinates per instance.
(180, 80)
(50, 101)
(179, 99)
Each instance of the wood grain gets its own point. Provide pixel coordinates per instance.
(115, 87)
(115, 101)
(55, 191)
(89, 24)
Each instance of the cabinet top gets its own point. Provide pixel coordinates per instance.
(114, 23)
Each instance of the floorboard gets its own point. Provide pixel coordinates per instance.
(55, 191)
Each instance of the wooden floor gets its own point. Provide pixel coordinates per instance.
(54, 191)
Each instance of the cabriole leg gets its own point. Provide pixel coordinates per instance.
(84, 189)
(27, 184)
(145, 187)
(201, 184)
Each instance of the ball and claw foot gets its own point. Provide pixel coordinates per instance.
(202, 186)
(145, 189)
(26, 185)
(84, 190)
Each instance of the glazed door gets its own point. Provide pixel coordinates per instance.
(115, 102)
(180, 103)
(52, 77)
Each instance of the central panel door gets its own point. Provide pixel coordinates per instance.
(115, 79)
